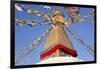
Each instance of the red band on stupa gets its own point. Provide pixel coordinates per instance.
(61, 47)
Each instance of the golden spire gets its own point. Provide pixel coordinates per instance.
(58, 17)
(58, 43)
(57, 12)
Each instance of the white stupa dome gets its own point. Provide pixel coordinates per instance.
(59, 60)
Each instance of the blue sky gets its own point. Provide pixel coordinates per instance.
(24, 35)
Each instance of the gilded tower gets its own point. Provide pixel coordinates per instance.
(58, 43)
